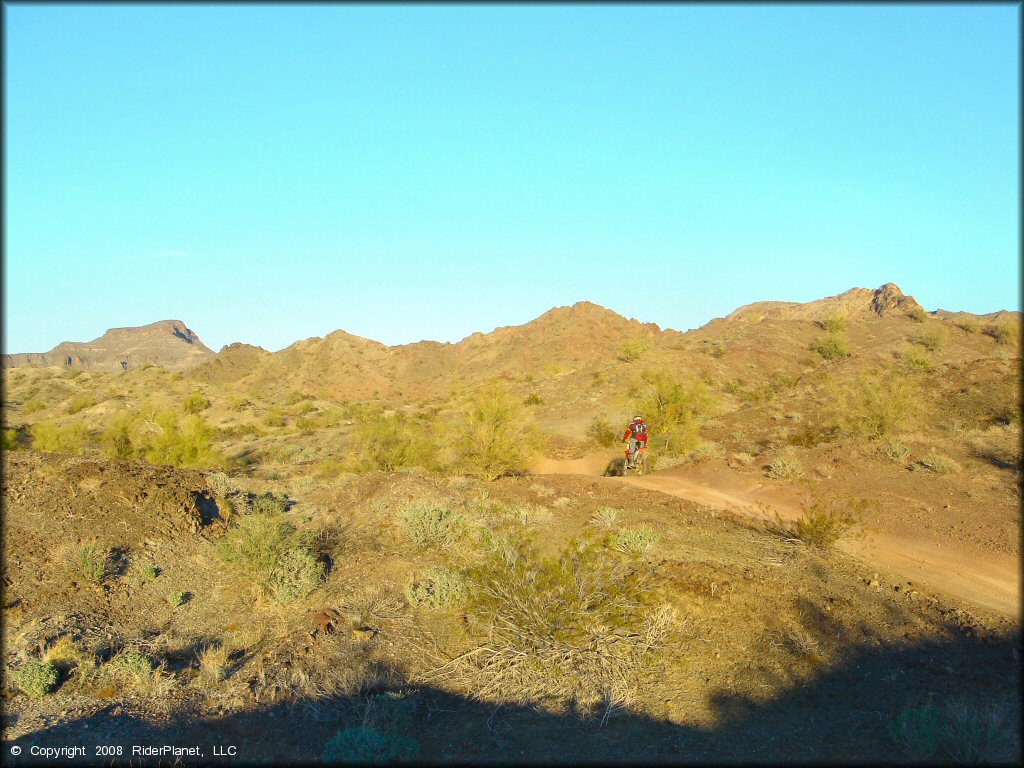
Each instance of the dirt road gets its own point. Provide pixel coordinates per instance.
(990, 580)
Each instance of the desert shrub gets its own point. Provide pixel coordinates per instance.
(272, 504)
(577, 628)
(1002, 333)
(188, 444)
(937, 463)
(931, 339)
(631, 350)
(118, 442)
(495, 437)
(36, 678)
(90, 562)
(915, 359)
(633, 541)
(47, 436)
(918, 315)
(10, 439)
(876, 406)
(265, 550)
(810, 435)
(602, 432)
(438, 587)
(239, 403)
(532, 399)
(785, 467)
(833, 323)
(34, 406)
(831, 347)
(432, 525)
(390, 442)
(894, 450)
(368, 745)
(80, 403)
(220, 484)
(296, 574)
(213, 664)
(274, 418)
(604, 517)
(821, 522)
(674, 412)
(174, 599)
(961, 732)
(968, 326)
(131, 664)
(195, 403)
(150, 571)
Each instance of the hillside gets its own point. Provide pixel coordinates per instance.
(436, 543)
(168, 343)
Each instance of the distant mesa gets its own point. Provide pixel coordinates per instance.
(169, 344)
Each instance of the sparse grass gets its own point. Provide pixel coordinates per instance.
(432, 525)
(605, 517)
(831, 347)
(436, 588)
(634, 541)
(937, 463)
(213, 664)
(894, 450)
(373, 606)
(785, 467)
(36, 678)
(602, 432)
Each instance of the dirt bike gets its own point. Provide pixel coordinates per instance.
(638, 454)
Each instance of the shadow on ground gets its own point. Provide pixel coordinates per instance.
(839, 714)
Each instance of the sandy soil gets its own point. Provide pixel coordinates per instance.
(932, 561)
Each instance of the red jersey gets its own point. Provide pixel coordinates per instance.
(637, 430)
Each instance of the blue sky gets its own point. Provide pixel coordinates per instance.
(270, 173)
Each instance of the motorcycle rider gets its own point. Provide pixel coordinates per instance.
(636, 439)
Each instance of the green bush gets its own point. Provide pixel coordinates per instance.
(10, 439)
(390, 442)
(438, 587)
(150, 571)
(876, 406)
(602, 432)
(90, 562)
(132, 665)
(1003, 333)
(188, 444)
(833, 323)
(195, 403)
(495, 436)
(631, 350)
(174, 599)
(532, 399)
(297, 573)
(918, 315)
(916, 360)
(931, 339)
(430, 525)
(253, 547)
(674, 412)
(822, 521)
(368, 745)
(968, 326)
(117, 439)
(34, 406)
(831, 347)
(36, 678)
(270, 504)
(80, 403)
(47, 436)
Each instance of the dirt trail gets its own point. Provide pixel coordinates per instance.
(990, 581)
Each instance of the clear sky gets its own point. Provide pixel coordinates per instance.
(269, 173)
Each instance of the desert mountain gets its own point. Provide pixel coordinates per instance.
(167, 343)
